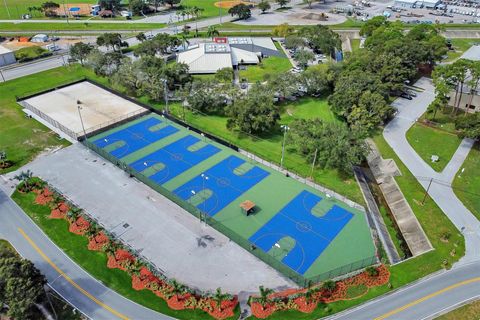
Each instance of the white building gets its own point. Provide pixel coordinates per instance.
(225, 52)
(6, 57)
(39, 38)
(205, 58)
(430, 4)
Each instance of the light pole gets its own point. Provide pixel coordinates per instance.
(165, 94)
(79, 107)
(204, 178)
(285, 130)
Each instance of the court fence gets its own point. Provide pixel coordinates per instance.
(240, 240)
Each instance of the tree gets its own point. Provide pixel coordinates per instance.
(205, 96)
(321, 38)
(372, 111)
(473, 81)
(317, 79)
(80, 51)
(282, 85)
(21, 286)
(138, 7)
(469, 125)
(104, 64)
(162, 43)
(242, 11)
(110, 4)
(263, 298)
(219, 297)
(224, 75)
(254, 113)
(113, 40)
(141, 37)
(329, 285)
(130, 76)
(282, 3)
(212, 32)
(24, 178)
(303, 57)
(283, 30)
(264, 6)
(49, 8)
(335, 145)
(372, 24)
(177, 287)
(294, 42)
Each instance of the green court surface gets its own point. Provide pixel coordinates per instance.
(350, 249)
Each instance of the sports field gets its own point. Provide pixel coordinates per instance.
(309, 232)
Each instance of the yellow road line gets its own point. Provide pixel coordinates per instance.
(73, 283)
(434, 294)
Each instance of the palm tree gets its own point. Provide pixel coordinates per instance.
(177, 288)
(212, 32)
(219, 297)
(92, 230)
(309, 294)
(264, 293)
(73, 213)
(25, 177)
(196, 12)
(329, 285)
(133, 267)
(110, 248)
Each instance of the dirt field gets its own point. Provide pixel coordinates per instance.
(99, 107)
(232, 3)
(84, 9)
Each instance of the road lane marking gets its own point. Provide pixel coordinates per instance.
(434, 294)
(73, 283)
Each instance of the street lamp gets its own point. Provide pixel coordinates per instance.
(204, 178)
(165, 94)
(79, 107)
(285, 130)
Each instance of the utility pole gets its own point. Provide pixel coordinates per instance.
(426, 191)
(65, 11)
(165, 94)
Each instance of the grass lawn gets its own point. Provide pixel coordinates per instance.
(355, 43)
(470, 311)
(4, 244)
(428, 141)
(208, 6)
(307, 108)
(54, 26)
(270, 65)
(94, 262)
(269, 147)
(467, 184)
(19, 7)
(460, 46)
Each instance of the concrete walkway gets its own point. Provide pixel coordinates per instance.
(440, 190)
(70, 281)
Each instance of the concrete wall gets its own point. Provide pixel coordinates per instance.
(7, 58)
(465, 100)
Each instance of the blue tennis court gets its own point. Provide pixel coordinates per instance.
(176, 158)
(224, 182)
(311, 234)
(136, 137)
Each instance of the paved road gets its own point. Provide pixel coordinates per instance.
(74, 284)
(21, 70)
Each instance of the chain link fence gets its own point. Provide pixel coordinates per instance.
(240, 240)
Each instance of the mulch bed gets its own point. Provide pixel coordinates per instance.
(44, 196)
(79, 226)
(142, 281)
(282, 301)
(97, 242)
(118, 260)
(60, 212)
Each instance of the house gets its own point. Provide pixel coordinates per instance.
(225, 52)
(6, 57)
(466, 101)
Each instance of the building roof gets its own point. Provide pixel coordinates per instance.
(4, 50)
(257, 41)
(244, 57)
(203, 58)
(473, 53)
